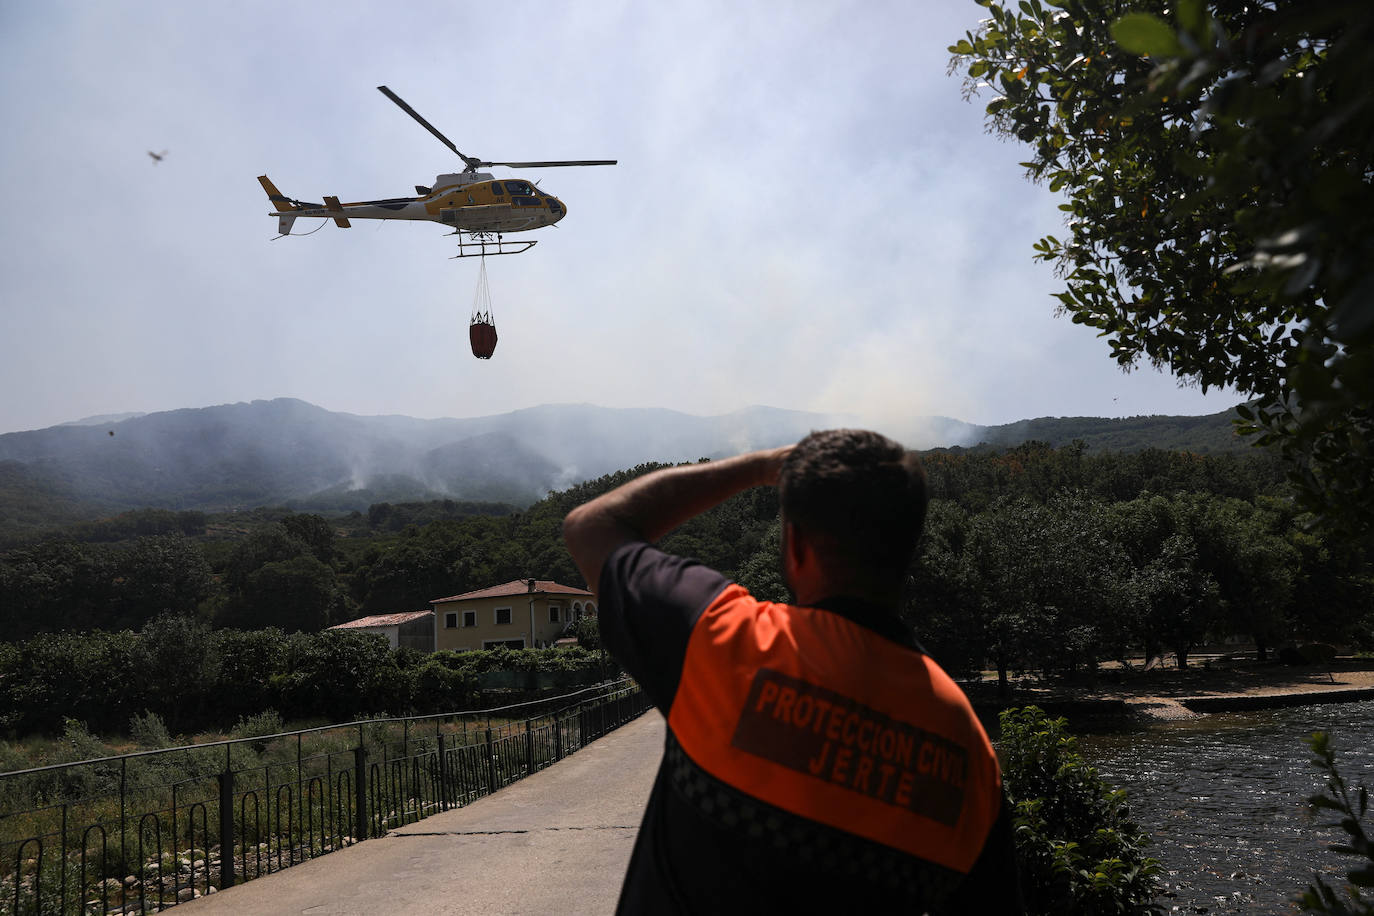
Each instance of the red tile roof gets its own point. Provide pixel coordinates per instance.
(518, 587)
(383, 620)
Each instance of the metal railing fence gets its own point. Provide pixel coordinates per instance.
(140, 832)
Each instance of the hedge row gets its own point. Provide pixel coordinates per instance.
(199, 679)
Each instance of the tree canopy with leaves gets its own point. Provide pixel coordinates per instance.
(1217, 168)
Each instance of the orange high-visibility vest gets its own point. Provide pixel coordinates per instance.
(808, 711)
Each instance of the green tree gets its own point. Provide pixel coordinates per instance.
(942, 607)
(409, 575)
(52, 586)
(268, 544)
(340, 675)
(297, 594)
(1254, 566)
(1333, 590)
(165, 574)
(1169, 598)
(1217, 173)
(314, 532)
(1043, 578)
(247, 661)
(762, 573)
(178, 662)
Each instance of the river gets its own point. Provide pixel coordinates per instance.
(1225, 798)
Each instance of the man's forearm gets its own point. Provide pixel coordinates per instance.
(649, 507)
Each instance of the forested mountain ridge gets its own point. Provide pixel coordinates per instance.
(1210, 434)
(288, 452)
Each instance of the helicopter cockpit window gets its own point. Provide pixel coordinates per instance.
(497, 189)
(519, 187)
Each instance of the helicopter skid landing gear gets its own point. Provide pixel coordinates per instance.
(481, 244)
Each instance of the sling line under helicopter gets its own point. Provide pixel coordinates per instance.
(482, 330)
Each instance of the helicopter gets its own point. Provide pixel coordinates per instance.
(479, 208)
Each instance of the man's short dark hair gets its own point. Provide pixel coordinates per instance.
(860, 497)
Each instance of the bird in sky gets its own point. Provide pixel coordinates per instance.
(157, 157)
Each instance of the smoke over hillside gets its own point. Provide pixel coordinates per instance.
(288, 452)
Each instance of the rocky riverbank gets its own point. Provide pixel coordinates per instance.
(1122, 693)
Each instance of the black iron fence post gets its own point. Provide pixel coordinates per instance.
(360, 831)
(491, 764)
(529, 749)
(443, 776)
(557, 739)
(226, 831)
(123, 828)
(62, 878)
(300, 793)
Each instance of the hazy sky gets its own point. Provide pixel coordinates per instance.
(806, 214)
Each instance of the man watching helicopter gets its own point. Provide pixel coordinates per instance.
(816, 758)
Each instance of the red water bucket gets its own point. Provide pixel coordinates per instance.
(483, 337)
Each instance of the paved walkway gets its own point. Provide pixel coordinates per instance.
(555, 842)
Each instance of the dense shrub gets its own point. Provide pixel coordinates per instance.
(588, 632)
(1076, 847)
(149, 731)
(441, 685)
(56, 675)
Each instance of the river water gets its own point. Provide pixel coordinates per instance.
(1225, 798)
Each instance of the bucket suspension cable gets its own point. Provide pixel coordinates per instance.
(481, 300)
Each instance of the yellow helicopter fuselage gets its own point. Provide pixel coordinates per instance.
(466, 202)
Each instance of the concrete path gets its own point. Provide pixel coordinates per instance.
(554, 842)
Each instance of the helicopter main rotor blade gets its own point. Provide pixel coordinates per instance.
(471, 163)
(542, 165)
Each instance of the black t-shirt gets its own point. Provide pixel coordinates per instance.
(706, 846)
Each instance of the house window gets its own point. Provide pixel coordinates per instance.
(576, 609)
(554, 613)
(503, 615)
(591, 609)
(451, 620)
(469, 618)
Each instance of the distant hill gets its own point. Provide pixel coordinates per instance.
(1210, 434)
(286, 452)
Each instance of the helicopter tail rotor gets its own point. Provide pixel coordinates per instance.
(277, 197)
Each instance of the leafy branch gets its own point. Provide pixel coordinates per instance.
(1351, 808)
